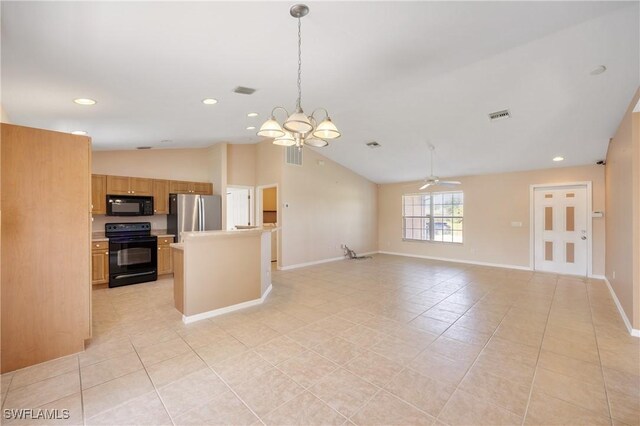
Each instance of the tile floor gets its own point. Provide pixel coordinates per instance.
(393, 341)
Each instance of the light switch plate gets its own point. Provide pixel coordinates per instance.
(516, 224)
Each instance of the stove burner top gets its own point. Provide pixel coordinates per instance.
(131, 229)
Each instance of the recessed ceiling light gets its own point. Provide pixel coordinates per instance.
(252, 114)
(598, 70)
(556, 159)
(84, 101)
(79, 132)
(251, 127)
(209, 101)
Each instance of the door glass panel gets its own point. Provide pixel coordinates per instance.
(571, 218)
(570, 253)
(548, 250)
(570, 195)
(548, 218)
(548, 195)
(134, 256)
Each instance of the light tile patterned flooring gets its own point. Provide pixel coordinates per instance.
(385, 341)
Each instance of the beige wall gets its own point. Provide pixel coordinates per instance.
(177, 164)
(622, 213)
(217, 168)
(491, 203)
(194, 164)
(329, 205)
(241, 164)
(4, 118)
(269, 163)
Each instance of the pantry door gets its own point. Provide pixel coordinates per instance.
(561, 231)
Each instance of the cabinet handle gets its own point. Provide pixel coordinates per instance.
(106, 252)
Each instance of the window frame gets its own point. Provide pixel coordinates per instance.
(430, 217)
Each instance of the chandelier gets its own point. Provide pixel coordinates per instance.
(299, 129)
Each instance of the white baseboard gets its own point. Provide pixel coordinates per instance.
(468, 262)
(216, 312)
(318, 262)
(633, 331)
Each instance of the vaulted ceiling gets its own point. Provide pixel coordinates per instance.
(399, 73)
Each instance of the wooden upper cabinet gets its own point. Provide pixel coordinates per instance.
(179, 187)
(203, 188)
(118, 185)
(124, 185)
(160, 196)
(184, 187)
(141, 186)
(98, 194)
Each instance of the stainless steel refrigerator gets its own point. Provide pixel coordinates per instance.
(190, 212)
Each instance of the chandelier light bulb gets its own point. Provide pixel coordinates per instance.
(271, 129)
(285, 140)
(326, 130)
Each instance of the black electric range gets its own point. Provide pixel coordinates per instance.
(133, 253)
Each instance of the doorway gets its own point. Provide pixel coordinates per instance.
(562, 229)
(239, 206)
(267, 212)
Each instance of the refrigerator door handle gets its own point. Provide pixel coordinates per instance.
(202, 224)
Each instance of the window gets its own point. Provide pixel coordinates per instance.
(434, 216)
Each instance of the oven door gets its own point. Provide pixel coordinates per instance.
(132, 260)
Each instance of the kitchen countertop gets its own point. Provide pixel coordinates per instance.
(99, 236)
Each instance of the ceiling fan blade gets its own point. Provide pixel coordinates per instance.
(449, 182)
(426, 185)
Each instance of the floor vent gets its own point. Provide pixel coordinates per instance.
(244, 90)
(499, 115)
(293, 155)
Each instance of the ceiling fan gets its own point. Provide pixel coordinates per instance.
(435, 180)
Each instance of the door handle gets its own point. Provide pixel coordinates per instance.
(584, 235)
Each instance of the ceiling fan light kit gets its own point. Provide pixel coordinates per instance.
(299, 129)
(433, 180)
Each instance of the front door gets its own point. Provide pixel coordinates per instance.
(560, 230)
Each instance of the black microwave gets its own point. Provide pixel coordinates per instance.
(127, 205)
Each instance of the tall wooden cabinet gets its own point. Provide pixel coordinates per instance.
(98, 194)
(46, 299)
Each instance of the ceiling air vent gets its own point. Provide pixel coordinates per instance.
(499, 115)
(143, 147)
(373, 144)
(244, 90)
(293, 156)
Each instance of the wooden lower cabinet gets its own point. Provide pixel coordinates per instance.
(99, 262)
(165, 260)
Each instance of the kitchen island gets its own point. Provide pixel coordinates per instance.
(216, 272)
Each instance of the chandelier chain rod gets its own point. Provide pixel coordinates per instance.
(299, 105)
